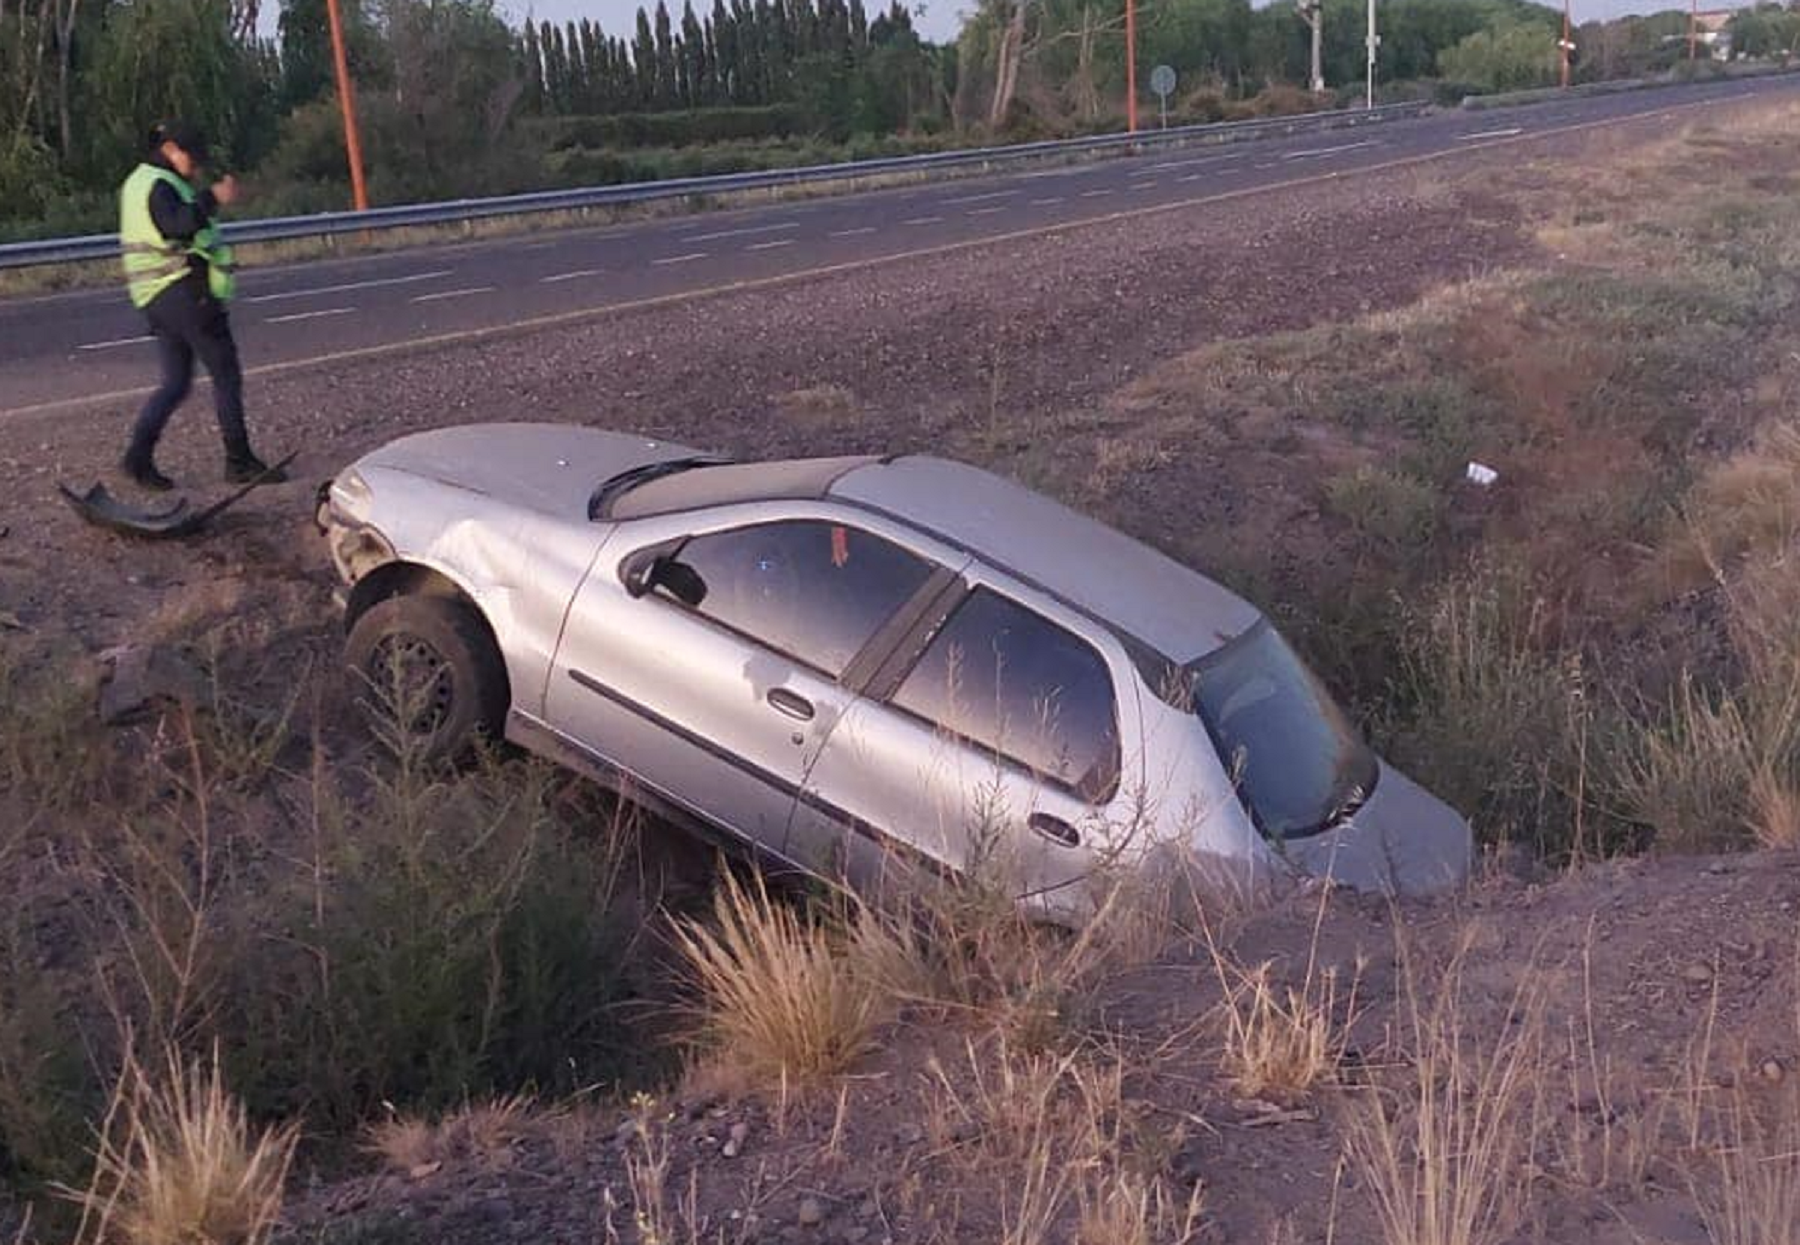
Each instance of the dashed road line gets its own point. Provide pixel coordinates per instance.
(1469, 138)
(1190, 177)
(117, 341)
(922, 220)
(746, 232)
(347, 286)
(311, 315)
(1188, 164)
(851, 233)
(442, 295)
(574, 275)
(981, 198)
(769, 246)
(1046, 202)
(986, 211)
(1328, 151)
(1094, 194)
(1142, 186)
(689, 258)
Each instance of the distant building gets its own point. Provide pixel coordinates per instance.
(1713, 31)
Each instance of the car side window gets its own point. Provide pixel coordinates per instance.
(1012, 681)
(814, 590)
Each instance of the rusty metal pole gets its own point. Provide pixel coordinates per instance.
(1566, 46)
(359, 193)
(1131, 66)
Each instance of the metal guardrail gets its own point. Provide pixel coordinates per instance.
(458, 211)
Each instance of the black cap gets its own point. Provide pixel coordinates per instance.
(183, 134)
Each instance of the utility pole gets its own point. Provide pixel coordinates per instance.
(1567, 45)
(1693, 28)
(1131, 66)
(359, 193)
(1375, 42)
(1313, 13)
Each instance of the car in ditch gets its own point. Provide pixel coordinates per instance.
(848, 662)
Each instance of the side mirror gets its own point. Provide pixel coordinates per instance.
(657, 567)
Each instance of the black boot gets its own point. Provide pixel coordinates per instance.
(143, 473)
(247, 468)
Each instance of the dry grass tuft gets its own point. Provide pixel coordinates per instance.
(1757, 1198)
(779, 1000)
(482, 1131)
(1445, 1157)
(178, 1163)
(1283, 1040)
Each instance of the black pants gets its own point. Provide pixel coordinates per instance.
(187, 321)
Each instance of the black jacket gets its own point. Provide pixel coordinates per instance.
(178, 221)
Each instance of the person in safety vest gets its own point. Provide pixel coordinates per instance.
(179, 272)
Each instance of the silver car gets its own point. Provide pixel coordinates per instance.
(847, 662)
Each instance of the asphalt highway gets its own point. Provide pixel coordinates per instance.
(67, 350)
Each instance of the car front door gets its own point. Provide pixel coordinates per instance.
(710, 662)
(994, 743)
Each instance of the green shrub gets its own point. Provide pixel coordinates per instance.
(1395, 509)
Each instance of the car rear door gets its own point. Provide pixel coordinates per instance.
(1001, 740)
(719, 702)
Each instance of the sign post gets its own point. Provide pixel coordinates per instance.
(1162, 81)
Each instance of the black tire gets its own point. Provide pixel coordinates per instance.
(426, 671)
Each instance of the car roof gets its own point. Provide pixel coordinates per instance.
(724, 484)
(1101, 571)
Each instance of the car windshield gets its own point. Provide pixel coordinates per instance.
(1296, 760)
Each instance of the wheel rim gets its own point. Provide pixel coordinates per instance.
(416, 682)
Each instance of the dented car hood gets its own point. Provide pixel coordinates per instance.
(550, 468)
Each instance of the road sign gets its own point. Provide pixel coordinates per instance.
(1162, 81)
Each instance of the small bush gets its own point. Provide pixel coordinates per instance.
(1493, 714)
(1394, 509)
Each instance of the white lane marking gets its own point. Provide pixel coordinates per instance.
(1469, 138)
(441, 295)
(1142, 186)
(746, 232)
(851, 233)
(1188, 164)
(1094, 194)
(117, 341)
(922, 220)
(1261, 167)
(570, 276)
(689, 258)
(997, 194)
(986, 211)
(1191, 177)
(1047, 202)
(1327, 151)
(348, 286)
(769, 246)
(310, 315)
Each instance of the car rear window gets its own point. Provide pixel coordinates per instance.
(1010, 680)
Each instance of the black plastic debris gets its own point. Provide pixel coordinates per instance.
(99, 507)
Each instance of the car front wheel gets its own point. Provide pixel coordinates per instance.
(427, 674)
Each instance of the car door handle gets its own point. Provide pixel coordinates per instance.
(1055, 829)
(791, 703)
